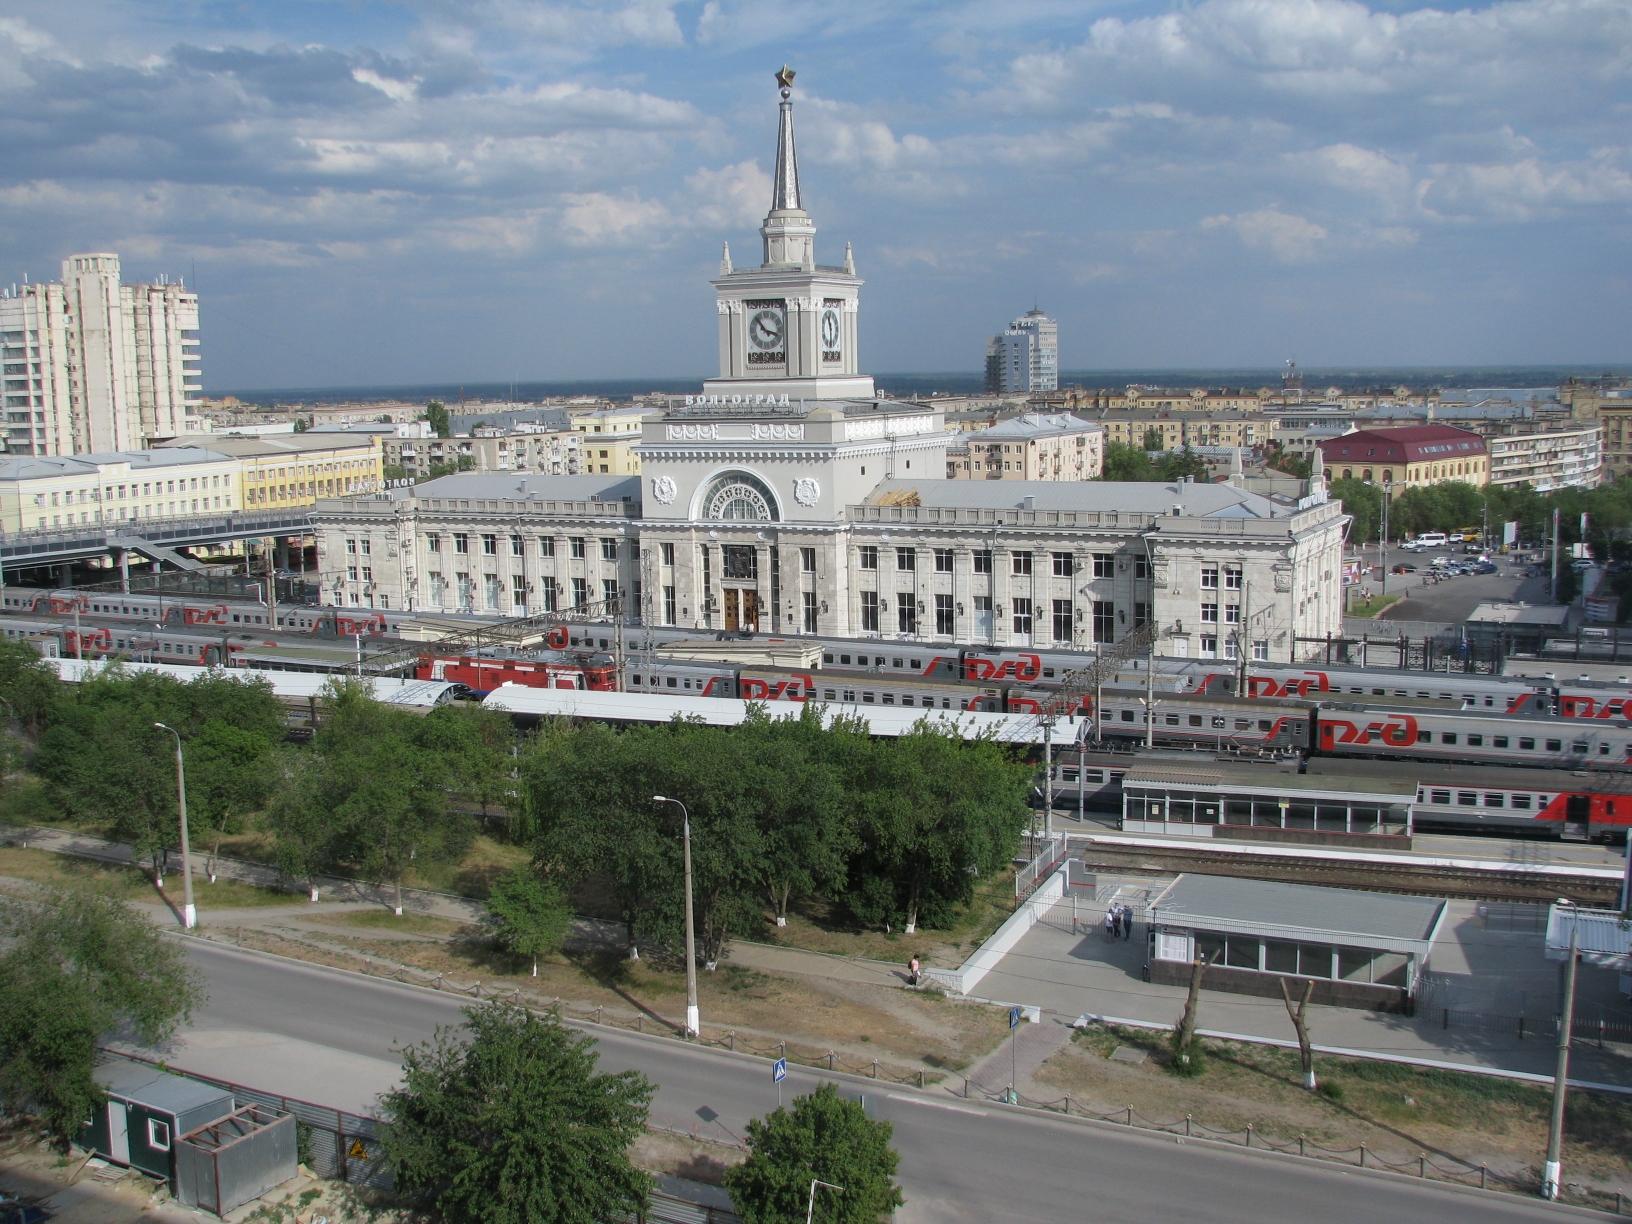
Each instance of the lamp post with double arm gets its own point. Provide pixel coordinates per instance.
(694, 1026)
(189, 914)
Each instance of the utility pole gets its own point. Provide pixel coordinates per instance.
(189, 914)
(1382, 546)
(1150, 696)
(1552, 1170)
(1553, 588)
(694, 1025)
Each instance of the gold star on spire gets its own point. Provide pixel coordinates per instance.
(785, 77)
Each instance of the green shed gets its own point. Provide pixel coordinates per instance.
(147, 1110)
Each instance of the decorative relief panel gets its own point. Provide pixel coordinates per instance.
(894, 427)
(737, 431)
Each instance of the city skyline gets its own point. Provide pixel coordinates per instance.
(380, 195)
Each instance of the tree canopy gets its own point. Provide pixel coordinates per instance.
(823, 1137)
(1124, 462)
(512, 1124)
(76, 968)
(526, 914)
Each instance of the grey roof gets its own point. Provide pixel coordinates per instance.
(1139, 497)
(164, 456)
(1300, 911)
(1221, 777)
(156, 1089)
(1602, 937)
(522, 485)
(1037, 425)
(41, 467)
(1546, 615)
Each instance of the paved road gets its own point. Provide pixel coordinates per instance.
(959, 1161)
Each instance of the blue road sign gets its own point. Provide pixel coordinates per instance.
(779, 1070)
(1014, 1017)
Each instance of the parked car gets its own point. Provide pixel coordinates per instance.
(1404, 568)
(1487, 567)
(1432, 539)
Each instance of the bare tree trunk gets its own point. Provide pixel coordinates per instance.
(1186, 1034)
(1298, 1023)
(399, 897)
(912, 906)
(535, 966)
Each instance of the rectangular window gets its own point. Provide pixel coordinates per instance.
(1063, 566)
(1104, 620)
(551, 595)
(1232, 614)
(1526, 744)
(944, 622)
(1209, 577)
(517, 548)
(807, 560)
(906, 612)
(465, 590)
(1022, 614)
(1260, 650)
(983, 561)
(433, 543)
(740, 561)
(867, 557)
(580, 592)
(906, 559)
(1021, 562)
(1232, 577)
(546, 547)
(1104, 565)
(609, 550)
(609, 590)
(158, 1135)
(490, 545)
(518, 593)
(461, 543)
(1209, 614)
(351, 546)
(1141, 567)
(1209, 646)
(943, 560)
(869, 611)
(1141, 615)
(579, 545)
(666, 553)
(1064, 621)
(668, 605)
(809, 599)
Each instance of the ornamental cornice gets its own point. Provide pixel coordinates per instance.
(675, 454)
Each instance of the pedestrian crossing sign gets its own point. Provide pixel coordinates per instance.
(779, 1070)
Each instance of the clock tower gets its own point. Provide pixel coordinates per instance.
(788, 327)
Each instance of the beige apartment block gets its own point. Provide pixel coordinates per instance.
(282, 471)
(1029, 447)
(53, 492)
(1547, 455)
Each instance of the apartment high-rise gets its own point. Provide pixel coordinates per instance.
(90, 364)
(1026, 357)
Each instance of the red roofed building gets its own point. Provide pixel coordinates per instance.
(1409, 457)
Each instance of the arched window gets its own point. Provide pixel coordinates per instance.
(1366, 475)
(1348, 473)
(740, 497)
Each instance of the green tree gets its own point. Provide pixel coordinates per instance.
(1154, 441)
(1126, 463)
(437, 415)
(938, 812)
(77, 967)
(394, 471)
(1365, 502)
(526, 914)
(29, 684)
(1301, 466)
(302, 424)
(1181, 463)
(514, 1125)
(823, 1137)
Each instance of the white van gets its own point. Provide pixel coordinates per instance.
(1430, 539)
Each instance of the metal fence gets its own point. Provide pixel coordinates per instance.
(1027, 878)
(1513, 916)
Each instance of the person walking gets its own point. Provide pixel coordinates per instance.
(1110, 923)
(912, 972)
(1127, 922)
(1116, 926)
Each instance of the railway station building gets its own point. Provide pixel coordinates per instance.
(1262, 803)
(789, 497)
(1360, 949)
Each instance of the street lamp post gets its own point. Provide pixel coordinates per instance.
(694, 1025)
(810, 1210)
(189, 913)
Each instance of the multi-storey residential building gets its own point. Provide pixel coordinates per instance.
(94, 365)
(1131, 428)
(1414, 456)
(46, 492)
(1546, 455)
(1026, 357)
(1030, 447)
(283, 471)
(790, 498)
(1607, 400)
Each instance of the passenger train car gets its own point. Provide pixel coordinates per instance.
(143, 642)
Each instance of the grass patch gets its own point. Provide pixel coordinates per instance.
(385, 920)
(23, 801)
(227, 894)
(60, 871)
(472, 875)
(1373, 606)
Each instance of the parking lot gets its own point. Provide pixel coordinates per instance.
(1452, 599)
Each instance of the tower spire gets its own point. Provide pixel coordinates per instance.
(786, 193)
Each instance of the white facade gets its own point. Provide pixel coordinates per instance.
(1567, 455)
(50, 493)
(782, 501)
(95, 365)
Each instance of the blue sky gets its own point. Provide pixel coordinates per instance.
(443, 190)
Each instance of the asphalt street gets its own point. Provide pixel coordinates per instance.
(1454, 599)
(960, 1161)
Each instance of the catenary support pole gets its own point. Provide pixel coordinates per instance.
(694, 1025)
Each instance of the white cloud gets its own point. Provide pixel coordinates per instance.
(598, 219)
(1290, 238)
(728, 198)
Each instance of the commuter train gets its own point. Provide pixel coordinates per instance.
(142, 642)
(202, 611)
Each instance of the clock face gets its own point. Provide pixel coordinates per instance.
(830, 329)
(765, 330)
